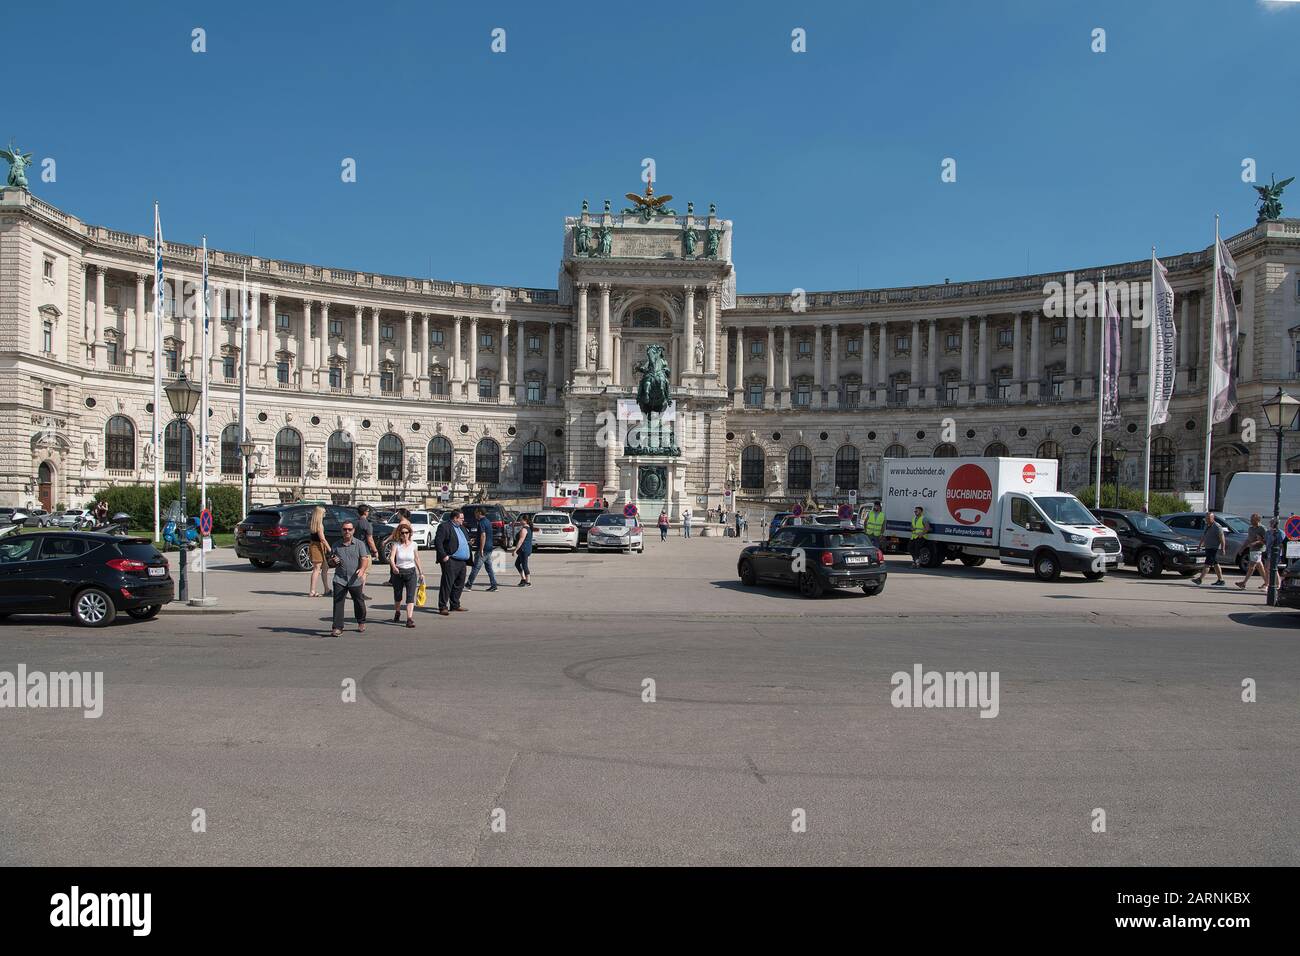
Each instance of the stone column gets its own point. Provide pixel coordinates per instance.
(604, 329)
(1035, 354)
(271, 334)
(422, 370)
(254, 339)
(521, 349)
(376, 352)
(833, 392)
(552, 391)
(915, 372)
(817, 366)
(983, 360)
(354, 353)
(932, 365)
(711, 333)
(471, 373)
(503, 367)
(1184, 345)
(882, 365)
(769, 386)
(965, 354)
(140, 344)
(582, 327)
(1071, 365)
(688, 335)
(323, 348)
(865, 359)
(1017, 347)
(738, 393)
(456, 368)
(785, 371)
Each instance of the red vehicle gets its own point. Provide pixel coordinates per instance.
(568, 495)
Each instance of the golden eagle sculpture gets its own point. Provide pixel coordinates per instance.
(648, 205)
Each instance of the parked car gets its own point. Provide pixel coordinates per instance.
(1149, 544)
(778, 521)
(554, 529)
(815, 558)
(583, 519)
(280, 534)
(1288, 592)
(424, 524)
(500, 516)
(88, 575)
(1190, 525)
(71, 518)
(613, 532)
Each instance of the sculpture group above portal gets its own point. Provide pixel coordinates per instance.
(649, 205)
(1270, 199)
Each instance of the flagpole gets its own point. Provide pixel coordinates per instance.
(203, 431)
(1213, 370)
(1101, 377)
(243, 388)
(1151, 381)
(157, 373)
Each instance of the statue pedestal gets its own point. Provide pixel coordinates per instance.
(652, 483)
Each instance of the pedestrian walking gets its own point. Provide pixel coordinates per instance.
(523, 548)
(317, 548)
(482, 532)
(451, 546)
(744, 527)
(349, 578)
(405, 572)
(920, 528)
(365, 532)
(1213, 541)
(663, 525)
(686, 522)
(1256, 541)
(738, 522)
(875, 524)
(722, 520)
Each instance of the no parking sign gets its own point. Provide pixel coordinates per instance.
(205, 522)
(629, 510)
(1293, 527)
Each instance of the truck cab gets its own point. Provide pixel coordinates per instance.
(1054, 533)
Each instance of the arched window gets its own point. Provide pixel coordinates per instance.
(895, 451)
(751, 468)
(119, 443)
(945, 451)
(1052, 450)
(338, 456)
(487, 462)
(996, 450)
(390, 458)
(1108, 467)
(799, 469)
(1162, 464)
(178, 439)
(847, 475)
(230, 454)
(534, 464)
(288, 453)
(439, 459)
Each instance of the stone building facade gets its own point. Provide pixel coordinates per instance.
(375, 387)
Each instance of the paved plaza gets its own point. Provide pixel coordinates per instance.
(1123, 695)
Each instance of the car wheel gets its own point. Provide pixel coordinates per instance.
(144, 613)
(302, 556)
(1148, 564)
(383, 552)
(925, 556)
(971, 561)
(93, 607)
(261, 563)
(1046, 566)
(809, 586)
(1243, 563)
(747, 575)
(871, 590)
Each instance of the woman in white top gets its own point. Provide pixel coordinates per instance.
(406, 573)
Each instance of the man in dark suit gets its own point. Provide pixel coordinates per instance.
(451, 545)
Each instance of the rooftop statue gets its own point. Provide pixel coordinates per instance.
(1270, 199)
(18, 163)
(649, 205)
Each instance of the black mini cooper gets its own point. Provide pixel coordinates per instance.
(815, 558)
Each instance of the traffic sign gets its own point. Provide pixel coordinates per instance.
(205, 521)
(629, 510)
(1293, 527)
(846, 512)
(797, 510)
(853, 495)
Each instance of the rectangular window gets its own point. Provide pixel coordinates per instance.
(282, 372)
(902, 343)
(900, 394)
(228, 367)
(534, 343)
(1058, 333)
(1004, 386)
(110, 349)
(803, 394)
(1006, 338)
(386, 381)
(756, 347)
(754, 394)
(49, 268)
(386, 333)
(47, 399)
(336, 377)
(436, 337)
(854, 346)
(170, 356)
(282, 322)
(485, 340)
(336, 328)
(951, 392)
(485, 388)
(534, 388)
(1053, 385)
(47, 337)
(852, 393)
(953, 340)
(436, 385)
(805, 347)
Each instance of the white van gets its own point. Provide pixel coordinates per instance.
(1251, 492)
(1003, 508)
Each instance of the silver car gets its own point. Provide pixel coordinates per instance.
(1190, 525)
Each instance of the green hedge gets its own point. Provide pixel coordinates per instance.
(137, 501)
(1130, 499)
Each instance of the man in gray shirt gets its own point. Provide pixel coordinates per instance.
(1213, 541)
(349, 577)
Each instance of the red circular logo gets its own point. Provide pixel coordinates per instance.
(1029, 474)
(969, 494)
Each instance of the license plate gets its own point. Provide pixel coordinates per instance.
(856, 559)
(252, 534)
(157, 572)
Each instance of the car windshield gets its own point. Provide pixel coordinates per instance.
(1065, 510)
(851, 539)
(419, 519)
(550, 519)
(1233, 522)
(614, 521)
(1149, 524)
(586, 514)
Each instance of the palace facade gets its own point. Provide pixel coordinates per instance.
(377, 387)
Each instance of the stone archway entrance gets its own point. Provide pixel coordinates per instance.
(45, 485)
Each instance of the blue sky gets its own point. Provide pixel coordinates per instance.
(828, 161)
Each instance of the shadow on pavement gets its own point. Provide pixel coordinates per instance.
(791, 593)
(1267, 618)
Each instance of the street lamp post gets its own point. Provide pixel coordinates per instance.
(246, 448)
(1281, 412)
(183, 396)
(1119, 454)
(397, 476)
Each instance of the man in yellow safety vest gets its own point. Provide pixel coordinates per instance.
(875, 523)
(920, 527)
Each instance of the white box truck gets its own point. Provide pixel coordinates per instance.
(1003, 508)
(1251, 492)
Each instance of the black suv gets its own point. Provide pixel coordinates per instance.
(1149, 544)
(280, 533)
(815, 558)
(501, 517)
(90, 576)
(583, 519)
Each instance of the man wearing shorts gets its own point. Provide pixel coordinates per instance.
(1213, 541)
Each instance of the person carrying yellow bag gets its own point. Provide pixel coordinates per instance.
(421, 595)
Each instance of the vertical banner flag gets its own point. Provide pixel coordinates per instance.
(1225, 341)
(203, 386)
(1110, 330)
(1163, 344)
(157, 369)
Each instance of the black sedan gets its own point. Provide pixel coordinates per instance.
(1149, 544)
(90, 576)
(815, 558)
